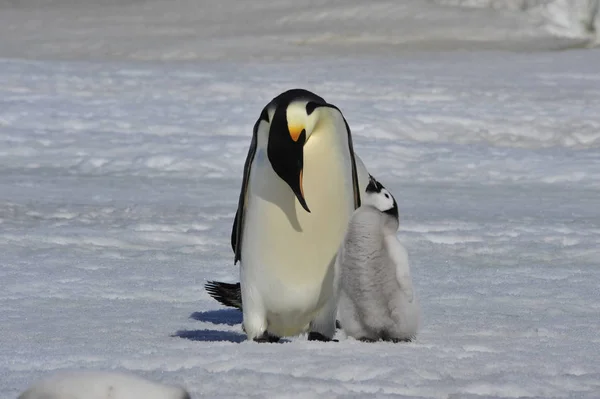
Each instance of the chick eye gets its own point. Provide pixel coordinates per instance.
(387, 196)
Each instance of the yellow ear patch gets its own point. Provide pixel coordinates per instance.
(295, 131)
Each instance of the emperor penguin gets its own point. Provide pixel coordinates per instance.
(377, 299)
(301, 183)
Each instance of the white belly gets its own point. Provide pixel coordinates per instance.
(288, 254)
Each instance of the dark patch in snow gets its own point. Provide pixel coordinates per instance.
(211, 335)
(231, 317)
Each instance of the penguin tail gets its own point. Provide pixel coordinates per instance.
(225, 293)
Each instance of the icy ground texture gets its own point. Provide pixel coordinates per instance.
(281, 29)
(100, 385)
(569, 18)
(119, 182)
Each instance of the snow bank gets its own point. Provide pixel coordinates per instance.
(572, 18)
(577, 19)
(284, 29)
(101, 385)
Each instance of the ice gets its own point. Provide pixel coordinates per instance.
(119, 181)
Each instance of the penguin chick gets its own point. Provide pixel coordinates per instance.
(376, 292)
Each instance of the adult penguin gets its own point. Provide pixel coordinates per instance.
(300, 186)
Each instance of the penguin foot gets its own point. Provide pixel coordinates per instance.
(367, 339)
(315, 336)
(397, 340)
(267, 338)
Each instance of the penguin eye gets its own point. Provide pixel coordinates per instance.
(387, 196)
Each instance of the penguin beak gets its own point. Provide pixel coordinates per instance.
(299, 191)
(300, 194)
(285, 150)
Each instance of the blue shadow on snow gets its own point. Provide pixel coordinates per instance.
(231, 317)
(211, 335)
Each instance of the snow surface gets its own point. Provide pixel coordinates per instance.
(119, 182)
(287, 29)
(100, 385)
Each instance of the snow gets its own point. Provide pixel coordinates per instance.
(119, 181)
(287, 29)
(100, 385)
(569, 18)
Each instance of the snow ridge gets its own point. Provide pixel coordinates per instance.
(577, 19)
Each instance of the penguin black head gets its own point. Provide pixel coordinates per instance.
(380, 198)
(292, 120)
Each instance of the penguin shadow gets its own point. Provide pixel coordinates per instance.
(229, 317)
(211, 336)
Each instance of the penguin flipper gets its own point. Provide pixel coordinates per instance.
(362, 173)
(225, 293)
(355, 172)
(238, 221)
(358, 168)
